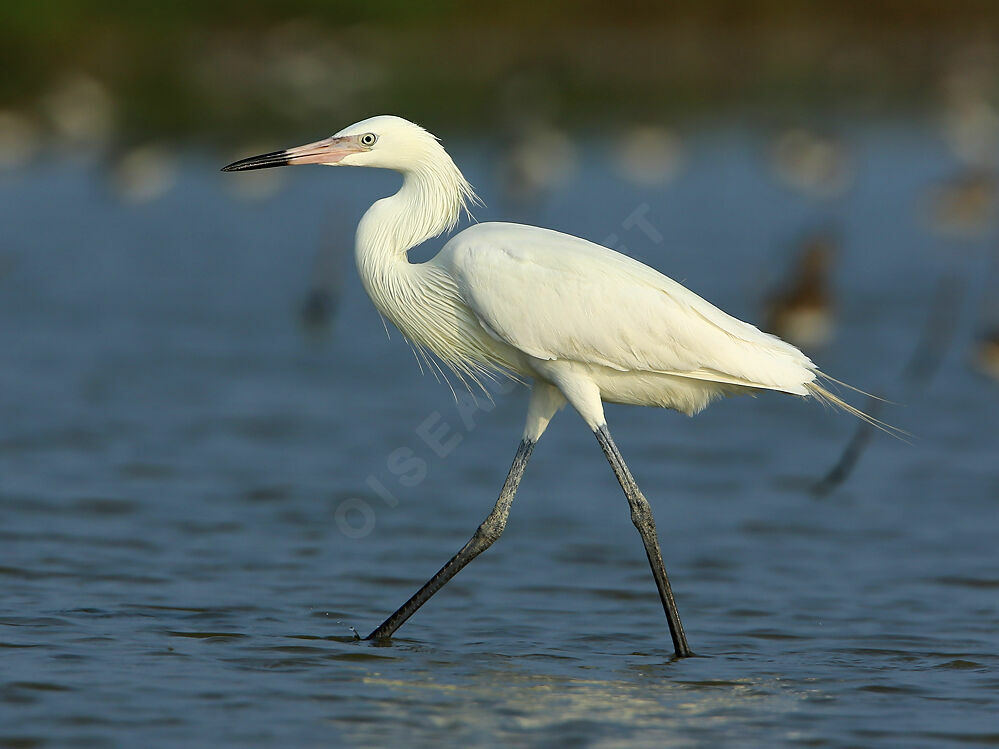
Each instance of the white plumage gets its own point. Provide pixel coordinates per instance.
(585, 323)
(548, 306)
(571, 300)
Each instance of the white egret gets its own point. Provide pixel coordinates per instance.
(585, 324)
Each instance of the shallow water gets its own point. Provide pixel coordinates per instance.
(198, 501)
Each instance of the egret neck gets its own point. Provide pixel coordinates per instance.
(421, 299)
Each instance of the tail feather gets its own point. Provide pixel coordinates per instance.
(828, 398)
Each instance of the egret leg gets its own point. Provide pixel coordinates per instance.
(641, 516)
(484, 537)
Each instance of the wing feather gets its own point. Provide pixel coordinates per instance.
(555, 296)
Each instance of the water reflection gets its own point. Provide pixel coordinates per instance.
(507, 702)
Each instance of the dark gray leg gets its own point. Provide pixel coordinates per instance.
(484, 537)
(641, 516)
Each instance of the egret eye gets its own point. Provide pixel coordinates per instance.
(368, 139)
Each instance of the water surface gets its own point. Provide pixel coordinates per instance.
(198, 501)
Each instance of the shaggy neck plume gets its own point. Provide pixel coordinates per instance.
(433, 194)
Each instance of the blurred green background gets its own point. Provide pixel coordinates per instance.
(205, 70)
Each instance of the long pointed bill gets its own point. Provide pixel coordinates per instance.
(326, 151)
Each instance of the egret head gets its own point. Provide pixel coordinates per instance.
(433, 184)
(385, 141)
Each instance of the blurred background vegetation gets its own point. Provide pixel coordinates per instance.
(122, 71)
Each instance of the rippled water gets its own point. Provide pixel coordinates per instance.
(198, 503)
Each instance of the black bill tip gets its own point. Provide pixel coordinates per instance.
(265, 161)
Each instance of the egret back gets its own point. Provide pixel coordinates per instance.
(554, 296)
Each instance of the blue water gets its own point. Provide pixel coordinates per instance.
(199, 499)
